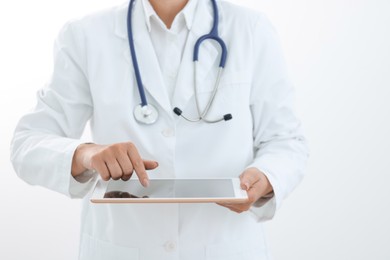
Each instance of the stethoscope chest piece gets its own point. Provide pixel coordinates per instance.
(146, 114)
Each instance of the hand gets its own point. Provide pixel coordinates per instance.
(116, 161)
(256, 184)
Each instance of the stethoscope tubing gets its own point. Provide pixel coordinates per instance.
(148, 114)
(211, 36)
(203, 115)
(140, 85)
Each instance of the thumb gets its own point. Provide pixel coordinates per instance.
(248, 178)
(150, 165)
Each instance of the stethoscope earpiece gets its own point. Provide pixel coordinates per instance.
(177, 111)
(227, 117)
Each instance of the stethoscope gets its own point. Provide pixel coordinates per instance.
(146, 113)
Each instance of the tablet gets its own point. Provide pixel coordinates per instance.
(170, 191)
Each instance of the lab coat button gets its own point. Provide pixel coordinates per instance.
(172, 74)
(168, 132)
(170, 246)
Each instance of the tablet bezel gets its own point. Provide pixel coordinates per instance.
(240, 196)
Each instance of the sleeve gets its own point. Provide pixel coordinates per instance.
(281, 149)
(45, 139)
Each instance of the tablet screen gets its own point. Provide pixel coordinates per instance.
(213, 188)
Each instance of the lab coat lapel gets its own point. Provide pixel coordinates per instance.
(208, 58)
(147, 61)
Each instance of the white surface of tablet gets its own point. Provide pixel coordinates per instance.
(170, 191)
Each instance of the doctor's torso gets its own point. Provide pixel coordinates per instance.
(93, 80)
(183, 149)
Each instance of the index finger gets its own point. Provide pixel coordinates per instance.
(138, 165)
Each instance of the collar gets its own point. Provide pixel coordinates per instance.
(188, 13)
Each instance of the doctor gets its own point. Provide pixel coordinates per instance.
(96, 78)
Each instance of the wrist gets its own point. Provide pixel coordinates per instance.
(78, 161)
(265, 183)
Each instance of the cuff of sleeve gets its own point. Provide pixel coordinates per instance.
(79, 187)
(263, 200)
(265, 208)
(265, 212)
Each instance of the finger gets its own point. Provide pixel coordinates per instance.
(223, 204)
(102, 169)
(232, 207)
(126, 177)
(138, 165)
(126, 166)
(248, 178)
(240, 207)
(114, 169)
(229, 206)
(254, 193)
(150, 165)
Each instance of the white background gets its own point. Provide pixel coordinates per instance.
(338, 52)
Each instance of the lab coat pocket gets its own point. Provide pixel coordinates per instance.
(95, 249)
(228, 79)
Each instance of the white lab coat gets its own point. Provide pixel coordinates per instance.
(93, 79)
